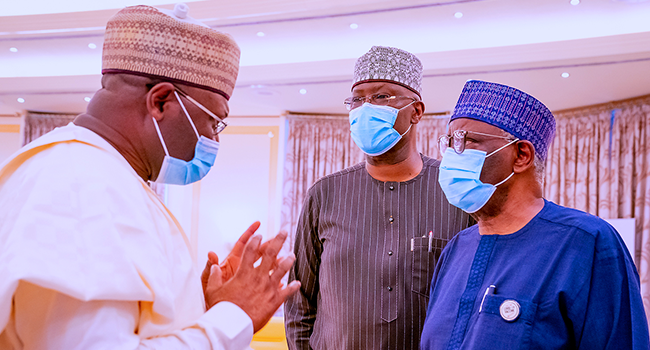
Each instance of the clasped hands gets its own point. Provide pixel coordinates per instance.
(256, 290)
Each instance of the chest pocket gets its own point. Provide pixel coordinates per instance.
(423, 262)
(504, 321)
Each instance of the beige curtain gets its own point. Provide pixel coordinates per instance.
(318, 145)
(599, 162)
(37, 124)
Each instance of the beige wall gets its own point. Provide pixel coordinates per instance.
(243, 186)
(9, 136)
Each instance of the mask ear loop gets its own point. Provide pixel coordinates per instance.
(187, 115)
(410, 125)
(162, 142)
(407, 130)
(502, 147)
(506, 179)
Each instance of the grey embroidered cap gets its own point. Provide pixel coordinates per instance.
(389, 64)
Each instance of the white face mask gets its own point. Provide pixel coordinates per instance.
(180, 172)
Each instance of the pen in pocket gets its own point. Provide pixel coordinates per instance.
(489, 290)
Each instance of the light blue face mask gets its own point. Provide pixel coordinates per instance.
(180, 172)
(460, 175)
(372, 130)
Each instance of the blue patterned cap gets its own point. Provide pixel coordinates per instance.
(389, 64)
(509, 109)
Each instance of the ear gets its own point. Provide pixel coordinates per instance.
(525, 156)
(418, 108)
(158, 99)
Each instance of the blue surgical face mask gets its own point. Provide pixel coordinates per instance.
(460, 175)
(180, 172)
(372, 128)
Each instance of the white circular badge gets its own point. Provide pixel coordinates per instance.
(509, 310)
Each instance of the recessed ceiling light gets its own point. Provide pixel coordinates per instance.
(565, 75)
(458, 14)
(13, 49)
(260, 34)
(354, 26)
(92, 46)
(20, 100)
(303, 91)
(87, 99)
(575, 2)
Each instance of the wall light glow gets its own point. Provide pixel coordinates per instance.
(87, 99)
(92, 46)
(575, 2)
(354, 26)
(20, 100)
(565, 75)
(260, 34)
(458, 14)
(13, 49)
(303, 91)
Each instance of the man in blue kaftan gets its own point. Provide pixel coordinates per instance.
(531, 274)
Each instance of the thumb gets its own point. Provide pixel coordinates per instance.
(215, 281)
(214, 284)
(213, 258)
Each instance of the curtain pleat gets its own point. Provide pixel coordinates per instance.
(37, 124)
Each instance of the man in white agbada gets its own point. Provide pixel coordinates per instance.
(89, 256)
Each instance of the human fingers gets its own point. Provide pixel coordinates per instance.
(243, 239)
(283, 267)
(214, 283)
(271, 252)
(289, 290)
(250, 254)
(213, 259)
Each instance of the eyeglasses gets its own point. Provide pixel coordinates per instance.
(376, 99)
(459, 138)
(220, 123)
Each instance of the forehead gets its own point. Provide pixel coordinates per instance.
(372, 87)
(468, 124)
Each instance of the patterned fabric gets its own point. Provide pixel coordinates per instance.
(145, 41)
(363, 259)
(509, 109)
(389, 64)
(569, 273)
(601, 165)
(319, 145)
(474, 283)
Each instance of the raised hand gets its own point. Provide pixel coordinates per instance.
(231, 264)
(257, 290)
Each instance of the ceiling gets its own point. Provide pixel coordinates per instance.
(298, 55)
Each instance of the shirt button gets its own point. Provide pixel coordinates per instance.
(390, 289)
(390, 219)
(390, 252)
(391, 187)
